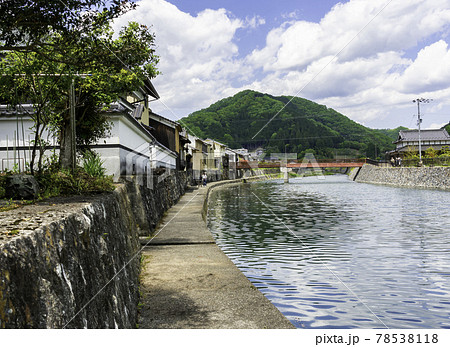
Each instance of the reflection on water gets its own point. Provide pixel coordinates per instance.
(337, 254)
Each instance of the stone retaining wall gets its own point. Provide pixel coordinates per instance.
(150, 204)
(213, 185)
(353, 173)
(76, 265)
(422, 177)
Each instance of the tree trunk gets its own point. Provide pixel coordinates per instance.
(65, 151)
(36, 141)
(68, 139)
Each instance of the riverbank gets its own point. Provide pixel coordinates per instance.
(413, 177)
(73, 262)
(188, 282)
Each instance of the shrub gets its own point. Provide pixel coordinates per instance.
(430, 153)
(2, 185)
(54, 183)
(92, 164)
(445, 151)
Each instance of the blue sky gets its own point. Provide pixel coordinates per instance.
(366, 59)
(273, 12)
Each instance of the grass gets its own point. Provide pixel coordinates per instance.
(87, 180)
(144, 260)
(93, 165)
(56, 183)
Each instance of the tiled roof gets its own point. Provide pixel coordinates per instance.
(7, 111)
(162, 119)
(425, 135)
(150, 89)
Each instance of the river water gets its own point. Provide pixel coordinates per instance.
(332, 253)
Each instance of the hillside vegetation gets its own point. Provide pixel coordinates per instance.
(302, 126)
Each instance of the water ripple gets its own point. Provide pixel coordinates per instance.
(337, 254)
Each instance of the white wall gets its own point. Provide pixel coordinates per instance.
(126, 152)
(16, 142)
(162, 157)
(130, 150)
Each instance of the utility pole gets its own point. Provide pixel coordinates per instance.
(286, 173)
(68, 143)
(419, 121)
(73, 138)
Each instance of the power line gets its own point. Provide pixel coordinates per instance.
(323, 68)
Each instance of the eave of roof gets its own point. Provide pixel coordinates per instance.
(20, 110)
(121, 111)
(150, 89)
(425, 135)
(164, 120)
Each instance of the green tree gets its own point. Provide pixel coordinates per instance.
(21, 80)
(431, 153)
(447, 127)
(27, 24)
(445, 151)
(228, 139)
(30, 76)
(248, 117)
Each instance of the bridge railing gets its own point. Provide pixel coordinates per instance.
(244, 164)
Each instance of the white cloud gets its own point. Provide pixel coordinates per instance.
(429, 72)
(354, 58)
(359, 28)
(254, 22)
(291, 15)
(357, 59)
(436, 125)
(197, 52)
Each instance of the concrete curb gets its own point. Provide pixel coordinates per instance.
(188, 282)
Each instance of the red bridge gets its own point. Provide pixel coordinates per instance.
(297, 164)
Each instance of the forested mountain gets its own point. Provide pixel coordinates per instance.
(392, 133)
(447, 127)
(301, 126)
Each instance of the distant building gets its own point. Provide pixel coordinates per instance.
(233, 159)
(198, 155)
(257, 154)
(408, 140)
(170, 134)
(243, 153)
(218, 161)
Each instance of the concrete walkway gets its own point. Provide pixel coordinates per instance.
(188, 282)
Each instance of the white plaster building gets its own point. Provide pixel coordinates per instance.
(129, 150)
(16, 138)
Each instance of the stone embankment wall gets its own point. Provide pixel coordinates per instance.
(213, 185)
(76, 264)
(353, 173)
(414, 177)
(149, 205)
